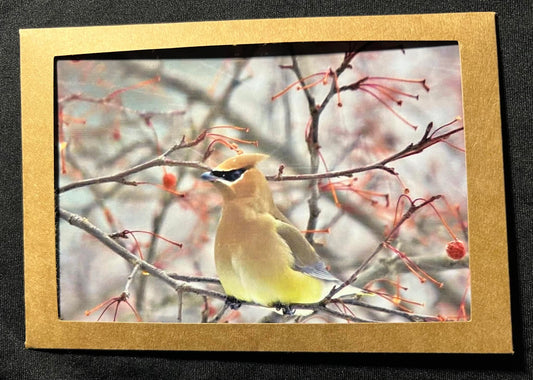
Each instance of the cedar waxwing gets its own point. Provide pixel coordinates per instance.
(259, 255)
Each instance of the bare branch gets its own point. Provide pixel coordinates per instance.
(380, 246)
(220, 313)
(161, 160)
(331, 174)
(91, 229)
(312, 147)
(166, 201)
(180, 305)
(409, 316)
(145, 115)
(174, 280)
(130, 278)
(210, 280)
(386, 266)
(322, 308)
(424, 143)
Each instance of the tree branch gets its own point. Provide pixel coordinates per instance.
(312, 147)
(161, 160)
(156, 229)
(145, 115)
(175, 280)
(185, 278)
(425, 142)
(412, 317)
(386, 266)
(91, 229)
(380, 246)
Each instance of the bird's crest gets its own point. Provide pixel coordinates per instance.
(243, 161)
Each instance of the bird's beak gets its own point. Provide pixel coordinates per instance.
(208, 176)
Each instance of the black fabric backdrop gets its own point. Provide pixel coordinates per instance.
(514, 24)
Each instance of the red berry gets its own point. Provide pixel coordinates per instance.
(169, 181)
(456, 250)
(116, 134)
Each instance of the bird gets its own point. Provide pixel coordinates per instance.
(260, 256)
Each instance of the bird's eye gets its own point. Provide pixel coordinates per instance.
(230, 175)
(234, 174)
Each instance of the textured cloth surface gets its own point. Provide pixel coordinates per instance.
(515, 41)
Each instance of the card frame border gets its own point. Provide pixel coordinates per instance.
(489, 330)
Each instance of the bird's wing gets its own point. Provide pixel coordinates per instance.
(306, 260)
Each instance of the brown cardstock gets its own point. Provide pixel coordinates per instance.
(489, 330)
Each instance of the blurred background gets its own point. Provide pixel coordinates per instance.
(115, 112)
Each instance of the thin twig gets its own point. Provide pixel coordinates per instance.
(130, 278)
(312, 147)
(108, 161)
(84, 224)
(98, 198)
(119, 107)
(161, 160)
(409, 150)
(180, 305)
(386, 266)
(225, 96)
(380, 246)
(180, 277)
(322, 308)
(220, 313)
(409, 316)
(332, 174)
(152, 250)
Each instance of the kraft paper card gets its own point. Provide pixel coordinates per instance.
(314, 184)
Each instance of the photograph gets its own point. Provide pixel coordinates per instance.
(288, 183)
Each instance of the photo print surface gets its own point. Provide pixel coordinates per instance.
(286, 183)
